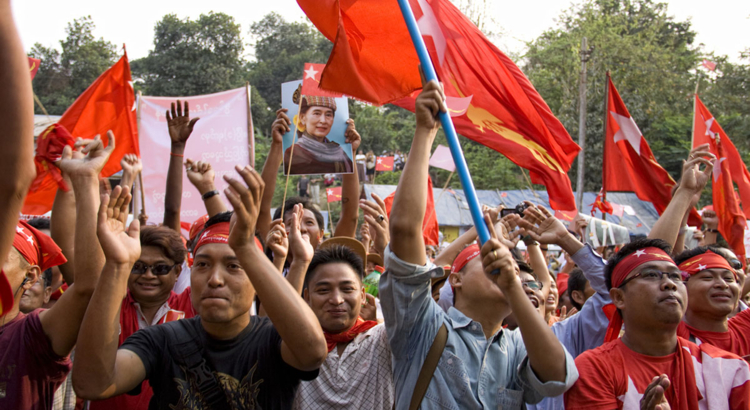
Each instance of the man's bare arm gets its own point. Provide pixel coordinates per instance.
(180, 127)
(271, 170)
(62, 228)
(347, 225)
(201, 175)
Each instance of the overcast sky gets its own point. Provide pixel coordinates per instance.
(723, 26)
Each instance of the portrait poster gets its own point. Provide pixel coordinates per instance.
(316, 143)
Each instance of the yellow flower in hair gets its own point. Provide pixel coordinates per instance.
(300, 125)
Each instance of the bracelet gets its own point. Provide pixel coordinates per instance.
(210, 194)
(712, 230)
(176, 155)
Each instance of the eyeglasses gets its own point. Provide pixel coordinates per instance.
(533, 284)
(159, 269)
(735, 263)
(656, 276)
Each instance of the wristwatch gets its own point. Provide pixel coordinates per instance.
(210, 194)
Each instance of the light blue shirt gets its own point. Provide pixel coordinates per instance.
(473, 372)
(586, 329)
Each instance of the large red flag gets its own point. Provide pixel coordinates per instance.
(705, 129)
(108, 104)
(732, 221)
(629, 165)
(430, 227)
(491, 100)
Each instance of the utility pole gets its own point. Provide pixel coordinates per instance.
(585, 54)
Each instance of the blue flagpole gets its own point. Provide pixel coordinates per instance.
(450, 131)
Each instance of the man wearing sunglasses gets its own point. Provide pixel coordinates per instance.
(150, 300)
(713, 288)
(650, 367)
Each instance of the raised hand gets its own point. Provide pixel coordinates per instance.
(541, 225)
(579, 224)
(693, 179)
(377, 221)
(179, 123)
(94, 159)
(131, 164)
(280, 126)
(369, 309)
(653, 397)
(201, 175)
(710, 219)
(119, 246)
(507, 229)
(245, 198)
(364, 233)
(299, 243)
(277, 240)
(497, 260)
(429, 103)
(352, 136)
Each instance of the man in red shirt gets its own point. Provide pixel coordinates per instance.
(650, 367)
(713, 289)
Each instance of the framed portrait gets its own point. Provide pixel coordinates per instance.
(316, 143)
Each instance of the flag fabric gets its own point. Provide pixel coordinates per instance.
(333, 194)
(373, 59)
(566, 215)
(709, 65)
(732, 221)
(311, 82)
(49, 148)
(602, 205)
(430, 227)
(384, 164)
(442, 159)
(705, 131)
(629, 165)
(34, 66)
(108, 104)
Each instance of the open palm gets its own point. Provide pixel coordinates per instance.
(179, 123)
(120, 246)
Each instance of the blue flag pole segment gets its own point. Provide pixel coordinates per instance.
(450, 131)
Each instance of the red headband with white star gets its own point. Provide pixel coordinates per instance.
(708, 260)
(36, 247)
(636, 259)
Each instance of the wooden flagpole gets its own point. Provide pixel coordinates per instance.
(330, 216)
(445, 187)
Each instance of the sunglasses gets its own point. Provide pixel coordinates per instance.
(533, 284)
(159, 269)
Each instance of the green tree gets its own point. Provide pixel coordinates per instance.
(63, 76)
(192, 57)
(652, 60)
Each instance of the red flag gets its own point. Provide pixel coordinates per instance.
(108, 104)
(705, 130)
(732, 221)
(430, 227)
(710, 65)
(629, 165)
(373, 59)
(602, 204)
(384, 164)
(311, 82)
(34, 66)
(565, 216)
(333, 194)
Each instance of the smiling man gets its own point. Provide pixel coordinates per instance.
(650, 367)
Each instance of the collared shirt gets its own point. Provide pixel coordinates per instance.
(473, 371)
(361, 378)
(586, 329)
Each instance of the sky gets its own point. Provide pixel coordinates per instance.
(723, 26)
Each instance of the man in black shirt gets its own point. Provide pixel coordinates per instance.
(243, 362)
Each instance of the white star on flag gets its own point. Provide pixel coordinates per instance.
(702, 267)
(19, 229)
(429, 26)
(310, 73)
(710, 133)
(380, 160)
(717, 169)
(329, 192)
(640, 252)
(628, 131)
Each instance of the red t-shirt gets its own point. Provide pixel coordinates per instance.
(736, 340)
(180, 307)
(614, 377)
(30, 371)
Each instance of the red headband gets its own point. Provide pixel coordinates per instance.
(218, 233)
(708, 260)
(621, 271)
(469, 253)
(197, 226)
(37, 248)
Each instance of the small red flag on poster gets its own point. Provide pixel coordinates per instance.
(333, 194)
(384, 164)
(311, 82)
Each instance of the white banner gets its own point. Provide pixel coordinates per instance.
(223, 136)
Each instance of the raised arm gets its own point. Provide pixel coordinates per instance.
(377, 223)
(278, 242)
(692, 182)
(62, 322)
(271, 169)
(101, 370)
(63, 226)
(17, 117)
(180, 127)
(347, 225)
(303, 344)
(301, 249)
(410, 200)
(449, 254)
(131, 166)
(201, 175)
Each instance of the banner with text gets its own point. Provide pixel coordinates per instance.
(223, 136)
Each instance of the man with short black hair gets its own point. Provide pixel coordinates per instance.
(579, 289)
(38, 294)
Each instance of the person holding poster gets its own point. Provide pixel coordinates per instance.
(313, 152)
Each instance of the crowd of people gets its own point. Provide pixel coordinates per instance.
(258, 310)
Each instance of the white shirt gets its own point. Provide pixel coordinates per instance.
(361, 378)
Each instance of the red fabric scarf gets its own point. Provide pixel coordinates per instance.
(360, 326)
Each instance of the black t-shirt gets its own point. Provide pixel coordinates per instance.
(249, 367)
(304, 182)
